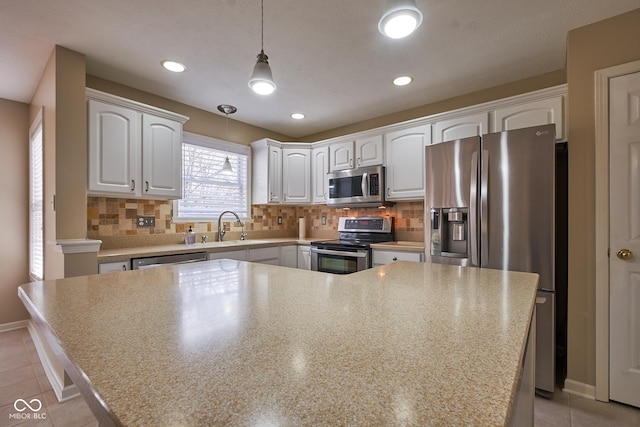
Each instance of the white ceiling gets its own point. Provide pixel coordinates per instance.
(328, 58)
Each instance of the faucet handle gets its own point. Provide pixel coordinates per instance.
(243, 235)
(204, 238)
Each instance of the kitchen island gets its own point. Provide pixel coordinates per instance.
(236, 343)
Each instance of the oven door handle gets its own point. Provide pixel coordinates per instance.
(359, 254)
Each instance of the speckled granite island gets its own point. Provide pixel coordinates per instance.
(236, 343)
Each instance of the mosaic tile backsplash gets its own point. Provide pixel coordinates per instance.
(113, 221)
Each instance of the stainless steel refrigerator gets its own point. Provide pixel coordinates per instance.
(490, 203)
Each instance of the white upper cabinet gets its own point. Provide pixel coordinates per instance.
(134, 149)
(296, 175)
(341, 156)
(114, 149)
(369, 151)
(461, 127)
(267, 172)
(161, 157)
(534, 113)
(405, 162)
(319, 170)
(356, 153)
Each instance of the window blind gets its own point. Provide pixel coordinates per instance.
(207, 189)
(36, 208)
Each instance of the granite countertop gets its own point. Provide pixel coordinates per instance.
(238, 343)
(121, 254)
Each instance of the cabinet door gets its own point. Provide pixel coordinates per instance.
(405, 162)
(304, 257)
(296, 175)
(275, 174)
(341, 156)
(461, 127)
(114, 147)
(239, 255)
(381, 257)
(161, 157)
(319, 170)
(544, 112)
(108, 267)
(369, 151)
(289, 256)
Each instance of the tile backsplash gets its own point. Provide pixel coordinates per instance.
(113, 221)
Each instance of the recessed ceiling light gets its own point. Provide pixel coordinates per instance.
(298, 116)
(400, 19)
(402, 80)
(174, 66)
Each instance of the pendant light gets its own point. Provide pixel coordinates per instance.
(227, 109)
(261, 80)
(401, 18)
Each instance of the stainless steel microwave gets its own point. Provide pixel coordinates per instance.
(357, 187)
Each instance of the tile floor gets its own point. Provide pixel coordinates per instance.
(22, 377)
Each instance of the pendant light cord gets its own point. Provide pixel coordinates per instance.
(262, 26)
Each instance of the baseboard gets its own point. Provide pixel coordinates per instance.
(57, 383)
(580, 389)
(6, 327)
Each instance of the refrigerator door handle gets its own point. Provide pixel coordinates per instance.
(484, 208)
(473, 211)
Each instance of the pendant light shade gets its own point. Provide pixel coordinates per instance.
(261, 81)
(401, 18)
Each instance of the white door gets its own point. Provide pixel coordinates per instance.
(624, 181)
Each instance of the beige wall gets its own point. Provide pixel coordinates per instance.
(200, 121)
(597, 46)
(14, 193)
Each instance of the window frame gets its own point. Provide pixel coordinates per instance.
(216, 144)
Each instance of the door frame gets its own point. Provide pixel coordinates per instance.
(602, 221)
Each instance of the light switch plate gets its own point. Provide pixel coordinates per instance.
(279, 220)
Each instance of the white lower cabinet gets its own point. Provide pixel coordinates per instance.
(381, 257)
(108, 267)
(304, 257)
(239, 255)
(265, 255)
(289, 256)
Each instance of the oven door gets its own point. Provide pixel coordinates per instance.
(339, 261)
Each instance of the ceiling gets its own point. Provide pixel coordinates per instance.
(328, 58)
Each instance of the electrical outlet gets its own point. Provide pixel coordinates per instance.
(324, 220)
(279, 220)
(146, 221)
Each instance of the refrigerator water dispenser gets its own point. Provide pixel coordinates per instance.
(449, 230)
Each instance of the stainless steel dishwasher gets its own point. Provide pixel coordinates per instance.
(161, 261)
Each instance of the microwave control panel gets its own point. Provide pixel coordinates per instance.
(374, 184)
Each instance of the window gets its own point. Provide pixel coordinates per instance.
(36, 196)
(207, 190)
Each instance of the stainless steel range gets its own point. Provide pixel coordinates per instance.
(352, 252)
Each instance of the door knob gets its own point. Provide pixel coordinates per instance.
(624, 254)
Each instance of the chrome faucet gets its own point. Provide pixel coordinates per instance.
(222, 232)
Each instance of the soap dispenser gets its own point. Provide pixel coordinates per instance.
(190, 238)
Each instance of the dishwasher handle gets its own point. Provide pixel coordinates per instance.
(142, 267)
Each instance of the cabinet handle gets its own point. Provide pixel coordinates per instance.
(124, 268)
(133, 185)
(395, 258)
(358, 161)
(388, 191)
(146, 186)
(350, 163)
